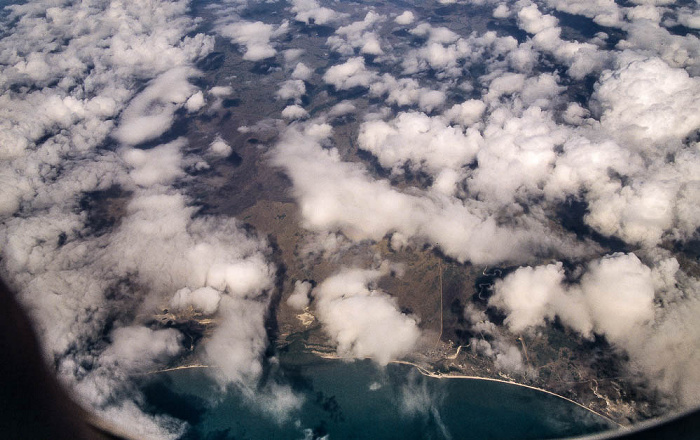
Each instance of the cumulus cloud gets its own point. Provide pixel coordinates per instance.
(299, 299)
(616, 297)
(407, 91)
(220, 147)
(646, 101)
(132, 350)
(220, 91)
(302, 72)
(151, 113)
(421, 141)
(667, 353)
(526, 295)
(442, 51)
(446, 53)
(205, 263)
(254, 36)
(491, 140)
(504, 354)
(341, 109)
(80, 276)
(335, 195)
(205, 299)
(292, 89)
(159, 165)
(357, 316)
(519, 156)
(688, 17)
(350, 74)
(441, 35)
(292, 112)
(521, 138)
(501, 11)
(581, 58)
(467, 113)
(195, 102)
(405, 18)
(310, 12)
(603, 12)
(357, 36)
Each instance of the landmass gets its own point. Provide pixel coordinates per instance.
(436, 290)
(445, 295)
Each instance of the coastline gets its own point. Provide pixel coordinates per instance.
(427, 373)
(422, 370)
(181, 367)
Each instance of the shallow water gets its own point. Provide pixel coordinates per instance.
(357, 400)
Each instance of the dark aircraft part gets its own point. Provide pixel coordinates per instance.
(33, 405)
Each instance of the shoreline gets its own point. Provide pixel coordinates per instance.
(181, 367)
(551, 393)
(424, 372)
(430, 374)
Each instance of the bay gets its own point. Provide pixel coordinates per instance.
(359, 400)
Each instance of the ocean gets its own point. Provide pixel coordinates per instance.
(359, 400)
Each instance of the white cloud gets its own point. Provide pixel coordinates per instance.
(80, 68)
(204, 299)
(501, 11)
(299, 299)
(302, 72)
(446, 53)
(617, 297)
(668, 352)
(501, 148)
(527, 295)
(151, 113)
(581, 58)
(292, 55)
(689, 18)
(340, 196)
(435, 55)
(506, 84)
(220, 147)
(139, 349)
(358, 316)
(421, 141)
(245, 278)
(254, 36)
(220, 91)
(518, 155)
(646, 101)
(309, 11)
(603, 12)
(620, 295)
(159, 165)
(350, 74)
(645, 12)
(405, 18)
(195, 102)
(292, 112)
(508, 358)
(640, 213)
(356, 36)
(407, 91)
(341, 109)
(439, 35)
(292, 89)
(239, 342)
(467, 113)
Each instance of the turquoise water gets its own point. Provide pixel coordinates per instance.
(358, 400)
